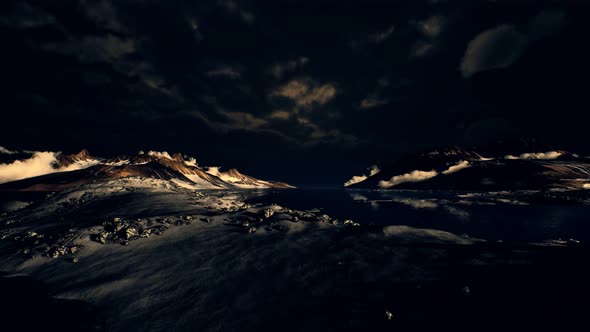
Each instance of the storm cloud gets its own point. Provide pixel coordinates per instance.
(289, 90)
(494, 48)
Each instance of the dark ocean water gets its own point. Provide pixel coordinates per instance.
(501, 221)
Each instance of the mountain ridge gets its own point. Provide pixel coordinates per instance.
(455, 168)
(151, 165)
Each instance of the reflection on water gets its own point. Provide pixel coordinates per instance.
(492, 216)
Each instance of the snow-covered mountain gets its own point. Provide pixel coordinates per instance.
(454, 168)
(69, 171)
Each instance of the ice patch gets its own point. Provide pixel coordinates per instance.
(358, 197)
(417, 203)
(407, 233)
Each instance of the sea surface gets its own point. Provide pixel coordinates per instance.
(494, 218)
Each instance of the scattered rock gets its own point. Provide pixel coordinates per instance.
(281, 228)
(57, 251)
(146, 233)
(130, 232)
(123, 231)
(103, 236)
(268, 213)
(388, 315)
(251, 230)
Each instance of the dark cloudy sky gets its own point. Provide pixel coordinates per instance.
(303, 91)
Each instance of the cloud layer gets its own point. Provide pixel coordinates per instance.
(356, 179)
(414, 176)
(459, 166)
(305, 94)
(494, 48)
(537, 155)
(418, 176)
(40, 163)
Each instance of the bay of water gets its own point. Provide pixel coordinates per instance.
(502, 221)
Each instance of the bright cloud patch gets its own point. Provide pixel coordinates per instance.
(213, 171)
(304, 94)
(159, 154)
(459, 166)
(356, 179)
(191, 161)
(538, 155)
(414, 176)
(40, 163)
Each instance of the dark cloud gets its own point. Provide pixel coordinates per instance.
(305, 93)
(105, 48)
(494, 48)
(328, 88)
(547, 23)
(224, 71)
(501, 46)
(24, 16)
(279, 69)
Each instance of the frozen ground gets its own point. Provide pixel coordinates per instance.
(209, 270)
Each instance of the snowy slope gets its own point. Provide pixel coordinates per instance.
(82, 169)
(459, 169)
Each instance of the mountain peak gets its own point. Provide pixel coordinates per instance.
(455, 168)
(80, 168)
(233, 172)
(69, 159)
(83, 154)
(178, 157)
